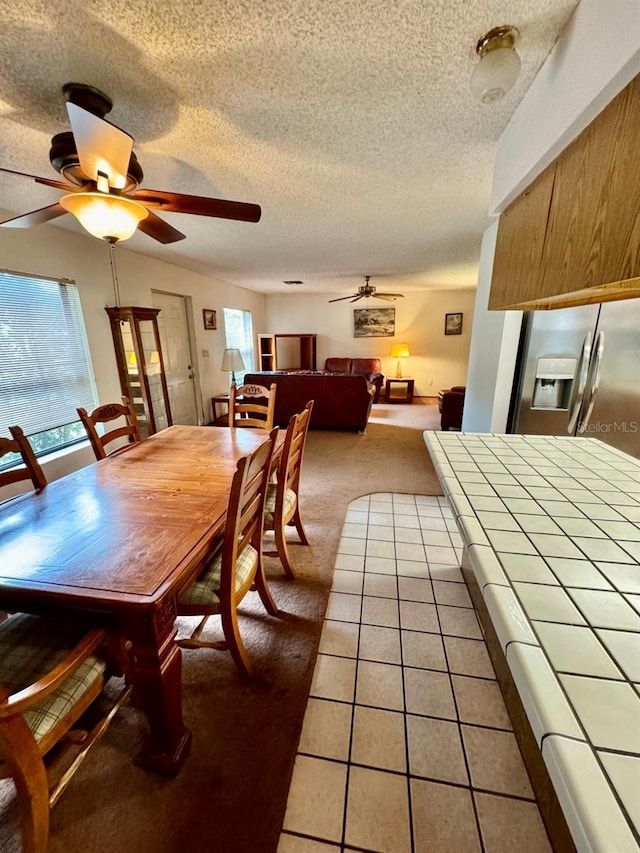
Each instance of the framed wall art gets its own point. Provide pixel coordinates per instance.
(453, 324)
(209, 318)
(374, 322)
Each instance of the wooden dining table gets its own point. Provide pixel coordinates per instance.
(120, 539)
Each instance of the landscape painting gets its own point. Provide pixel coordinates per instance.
(374, 322)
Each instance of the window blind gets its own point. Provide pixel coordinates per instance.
(238, 333)
(45, 368)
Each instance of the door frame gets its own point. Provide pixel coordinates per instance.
(193, 349)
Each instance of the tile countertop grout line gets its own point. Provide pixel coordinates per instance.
(567, 463)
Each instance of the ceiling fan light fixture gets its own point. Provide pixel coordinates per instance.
(107, 217)
(499, 65)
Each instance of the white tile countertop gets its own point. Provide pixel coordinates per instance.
(551, 526)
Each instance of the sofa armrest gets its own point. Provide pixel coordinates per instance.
(451, 406)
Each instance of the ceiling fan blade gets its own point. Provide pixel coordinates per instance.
(342, 298)
(389, 297)
(199, 205)
(160, 230)
(359, 296)
(103, 149)
(49, 182)
(36, 217)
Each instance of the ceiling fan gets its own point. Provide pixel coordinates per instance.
(367, 290)
(103, 174)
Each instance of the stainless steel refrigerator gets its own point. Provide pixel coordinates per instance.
(579, 374)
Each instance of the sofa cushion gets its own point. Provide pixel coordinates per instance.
(337, 365)
(366, 366)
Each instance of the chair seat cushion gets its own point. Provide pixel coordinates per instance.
(30, 647)
(205, 589)
(270, 503)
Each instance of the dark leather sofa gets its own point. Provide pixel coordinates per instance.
(340, 401)
(371, 368)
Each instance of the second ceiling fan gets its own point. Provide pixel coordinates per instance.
(366, 290)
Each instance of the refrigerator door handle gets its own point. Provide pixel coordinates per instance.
(579, 384)
(593, 382)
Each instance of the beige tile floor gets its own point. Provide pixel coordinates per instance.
(406, 745)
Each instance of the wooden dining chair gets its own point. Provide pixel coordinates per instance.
(29, 469)
(236, 562)
(252, 406)
(51, 671)
(105, 414)
(282, 504)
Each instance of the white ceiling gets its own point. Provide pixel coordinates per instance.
(349, 121)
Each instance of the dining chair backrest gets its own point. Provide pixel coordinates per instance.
(105, 414)
(290, 466)
(252, 406)
(236, 565)
(245, 511)
(30, 469)
(282, 506)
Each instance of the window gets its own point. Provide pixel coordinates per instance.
(238, 332)
(45, 370)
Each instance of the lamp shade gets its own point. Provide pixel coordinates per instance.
(400, 351)
(107, 217)
(232, 360)
(495, 74)
(499, 65)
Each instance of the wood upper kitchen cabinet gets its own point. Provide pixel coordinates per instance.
(590, 246)
(520, 241)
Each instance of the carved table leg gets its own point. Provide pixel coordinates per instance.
(157, 687)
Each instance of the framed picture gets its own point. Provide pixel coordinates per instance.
(453, 324)
(209, 318)
(374, 322)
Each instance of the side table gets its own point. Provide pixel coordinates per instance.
(401, 394)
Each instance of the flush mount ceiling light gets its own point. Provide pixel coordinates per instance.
(499, 65)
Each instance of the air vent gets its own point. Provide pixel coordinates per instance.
(293, 281)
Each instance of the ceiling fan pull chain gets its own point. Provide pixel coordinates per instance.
(114, 274)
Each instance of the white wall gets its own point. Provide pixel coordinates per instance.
(437, 360)
(57, 252)
(597, 54)
(492, 353)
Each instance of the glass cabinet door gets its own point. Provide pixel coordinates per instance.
(140, 366)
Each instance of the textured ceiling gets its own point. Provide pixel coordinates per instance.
(349, 121)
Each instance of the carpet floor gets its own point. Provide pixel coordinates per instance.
(231, 794)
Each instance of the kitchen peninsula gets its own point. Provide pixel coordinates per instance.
(551, 528)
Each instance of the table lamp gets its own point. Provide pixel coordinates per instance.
(399, 351)
(232, 361)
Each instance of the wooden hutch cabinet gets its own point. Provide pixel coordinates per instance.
(287, 352)
(140, 366)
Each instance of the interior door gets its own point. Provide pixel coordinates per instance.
(176, 352)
